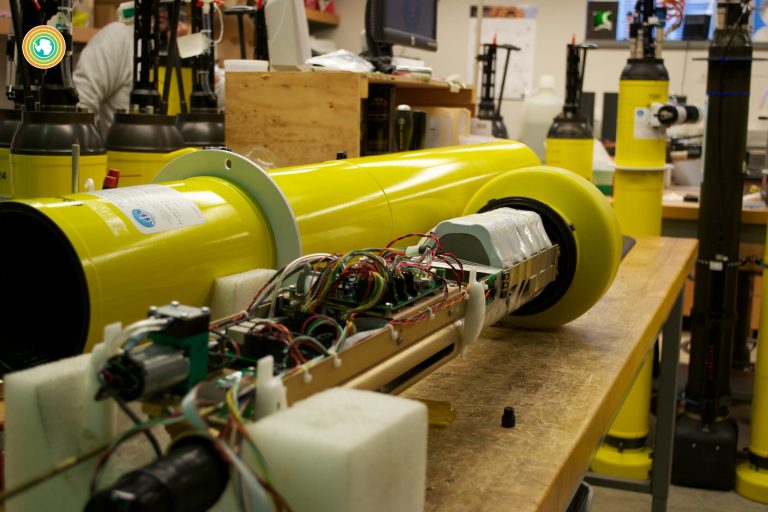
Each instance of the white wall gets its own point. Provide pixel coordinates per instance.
(557, 21)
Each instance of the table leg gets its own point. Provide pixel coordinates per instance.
(666, 407)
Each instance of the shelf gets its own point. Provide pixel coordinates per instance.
(79, 35)
(322, 19)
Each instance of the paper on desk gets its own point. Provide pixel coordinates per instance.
(672, 196)
(341, 60)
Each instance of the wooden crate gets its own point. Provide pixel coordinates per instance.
(309, 117)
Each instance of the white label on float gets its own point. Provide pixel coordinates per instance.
(154, 208)
(643, 128)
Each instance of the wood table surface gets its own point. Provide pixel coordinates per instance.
(674, 209)
(565, 385)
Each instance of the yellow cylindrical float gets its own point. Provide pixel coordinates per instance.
(752, 475)
(41, 154)
(625, 453)
(572, 154)
(590, 241)
(107, 256)
(139, 145)
(10, 119)
(40, 175)
(637, 199)
(5, 173)
(640, 148)
(137, 168)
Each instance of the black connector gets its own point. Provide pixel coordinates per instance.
(190, 478)
(508, 418)
(187, 321)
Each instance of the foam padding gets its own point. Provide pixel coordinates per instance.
(347, 450)
(47, 410)
(232, 294)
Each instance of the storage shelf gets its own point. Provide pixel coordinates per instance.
(322, 19)
(79, 34)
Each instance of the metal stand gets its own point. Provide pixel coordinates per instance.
(661, 473)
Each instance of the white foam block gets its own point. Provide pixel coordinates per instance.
(347, 450)
(48, 418)
(232, 294)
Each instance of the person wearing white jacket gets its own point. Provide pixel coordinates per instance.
(104, 73)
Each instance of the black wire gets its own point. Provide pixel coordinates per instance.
(128, 412)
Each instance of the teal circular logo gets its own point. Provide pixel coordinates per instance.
(43, 47)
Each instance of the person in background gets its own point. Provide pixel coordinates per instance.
(104, 72)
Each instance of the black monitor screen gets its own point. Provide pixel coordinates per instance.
(405, 22)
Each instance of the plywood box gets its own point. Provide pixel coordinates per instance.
(308, 117)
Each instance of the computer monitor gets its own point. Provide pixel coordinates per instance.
(403, 22)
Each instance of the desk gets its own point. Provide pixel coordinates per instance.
(566, 386)
(681, 218)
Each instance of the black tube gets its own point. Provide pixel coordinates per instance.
(486, 107)
(173, 52)
(241, 34)
(503, 83)
(29, 99)
(190, 478)
(146, 44)
(714, 307)
(180, 82)
(202, 97)
(572, 82)
(261, 45)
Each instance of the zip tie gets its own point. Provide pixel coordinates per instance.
(394, 333)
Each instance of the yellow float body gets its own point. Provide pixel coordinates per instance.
(10, 119)
(140, 167)
(139, 145)
(88, 245)
(637, 198)
(39, 175)
(5, 173)
(752, 480)
(41, 154)
(137, 168)
(640, 150)
(638, 147)
(572, 154)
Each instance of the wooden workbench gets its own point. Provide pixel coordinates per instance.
(689, 211)
(566, 386)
